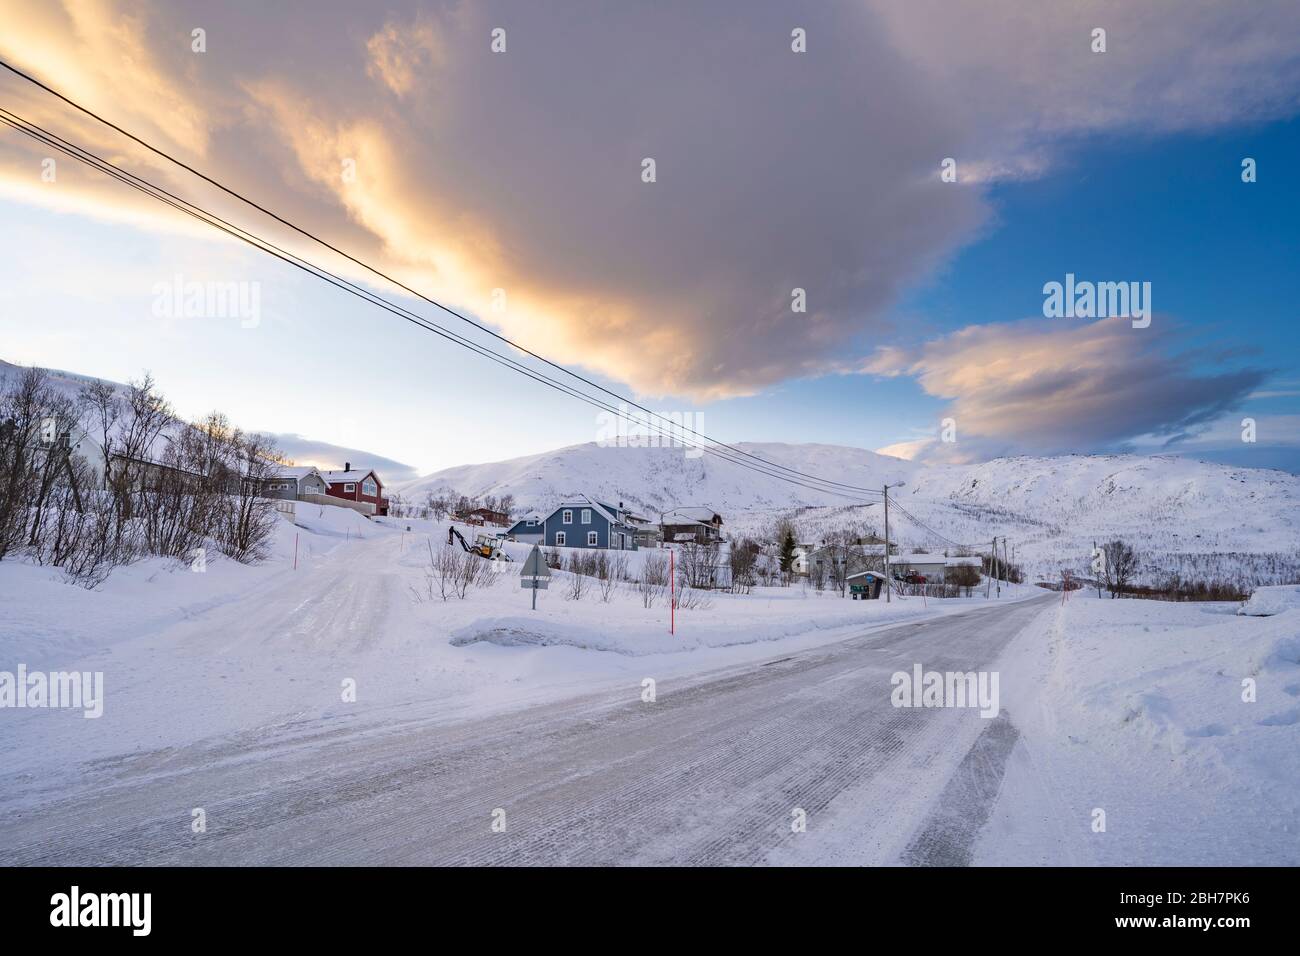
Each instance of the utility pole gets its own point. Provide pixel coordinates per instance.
(988, 585)
(889, 582)
(997, 567)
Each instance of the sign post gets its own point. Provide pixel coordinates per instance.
(535, 575)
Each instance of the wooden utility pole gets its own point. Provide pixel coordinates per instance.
(988, 584)
(889, 578)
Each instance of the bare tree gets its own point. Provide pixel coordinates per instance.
(1119, 566)
(697, 564)
(743, 559)
(103, 409)
(246, 520)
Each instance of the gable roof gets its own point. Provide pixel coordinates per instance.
(292, 471)
(587, 501)
(356, 474)
(691, 515)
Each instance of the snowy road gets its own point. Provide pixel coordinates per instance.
(712, 772)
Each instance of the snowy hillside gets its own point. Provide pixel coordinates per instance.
(1194, 518)
(652, 480)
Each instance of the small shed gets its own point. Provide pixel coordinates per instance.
(865, 585)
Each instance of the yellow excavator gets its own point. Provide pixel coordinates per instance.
(485, 545)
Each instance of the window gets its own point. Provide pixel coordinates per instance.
(567, 517)
(368, 487)
(532, 522)
(591, 539)
(559, 539)
(349, 488)
(586, 516)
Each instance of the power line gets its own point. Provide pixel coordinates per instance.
(375, 271)
(921, 524)
(150, 189)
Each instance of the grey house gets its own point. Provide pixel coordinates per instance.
(527, 530)
(584, 522)
(293, 483)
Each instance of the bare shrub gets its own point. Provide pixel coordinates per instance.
(653, 580)
(453, 572)
(582, 566)
(693, 599)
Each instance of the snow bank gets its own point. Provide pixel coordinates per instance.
(731, 626)
(1180, 721)
(1268, 601)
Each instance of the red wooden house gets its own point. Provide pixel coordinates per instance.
(356, 485)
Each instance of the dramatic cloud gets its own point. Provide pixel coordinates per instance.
(1052, 386)
(308, 451)
(399, 134)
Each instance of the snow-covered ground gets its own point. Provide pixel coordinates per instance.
(1142, 709)
(1131, 707)
(255, 650)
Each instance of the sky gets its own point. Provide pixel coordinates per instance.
(510, 184)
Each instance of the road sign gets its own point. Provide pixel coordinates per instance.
(535, 575)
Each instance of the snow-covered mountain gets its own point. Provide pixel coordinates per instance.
(1198, 519)
(651, 480)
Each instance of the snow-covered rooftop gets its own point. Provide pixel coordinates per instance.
(338, 477)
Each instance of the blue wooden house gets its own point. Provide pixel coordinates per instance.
(584, 522)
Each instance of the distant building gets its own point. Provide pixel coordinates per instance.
(933, 567)
(647, 535)
(865, 584)
(483, 516)
(528, 530)
(584, 522)
(697, 525)
(293, 483)
(357, 485)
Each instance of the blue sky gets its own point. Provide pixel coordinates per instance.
(679, 296)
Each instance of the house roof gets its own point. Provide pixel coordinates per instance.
(696, 514)
(587, 501)
(292, 471)
(918, 557)
(356, 474)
